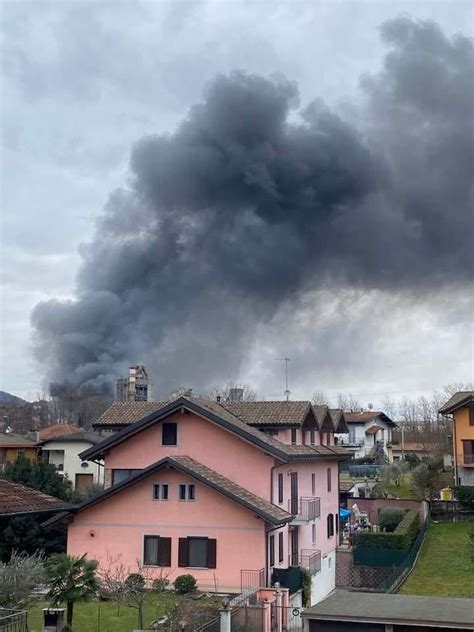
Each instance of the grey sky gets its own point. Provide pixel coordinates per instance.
(82, 82)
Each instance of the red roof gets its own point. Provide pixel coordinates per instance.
(57, 430)
(17, 499)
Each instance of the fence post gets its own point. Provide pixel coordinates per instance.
(226, 614)
(267, 617)
(279, 609)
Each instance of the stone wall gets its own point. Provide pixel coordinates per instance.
(350, 576)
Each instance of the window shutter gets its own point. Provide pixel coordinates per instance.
(164, 552)
(337, 523)
(183, 552)
(211, 553)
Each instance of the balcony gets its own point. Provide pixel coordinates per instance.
(465, 460)
(307, 558)
(304, 509)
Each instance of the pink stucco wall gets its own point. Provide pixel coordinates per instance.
(204, 441)
(120, 522)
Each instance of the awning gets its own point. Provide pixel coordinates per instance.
(344, 513)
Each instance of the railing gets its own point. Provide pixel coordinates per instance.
(13, 620)
(465, 459)
(252, 579)
(307, 558)
(305, 509)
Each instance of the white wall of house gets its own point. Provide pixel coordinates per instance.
(66, 453)
(357, 434)
(325, 581)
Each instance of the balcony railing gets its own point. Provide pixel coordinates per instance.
(465, 459)
(304, 509)
(307, 558)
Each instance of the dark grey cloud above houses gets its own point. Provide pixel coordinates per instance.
(262, 195)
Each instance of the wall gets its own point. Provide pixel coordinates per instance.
(324, 582)
(372, 506)
(12, 453)
(71, 461)
(204, 441)
(120, 522)
(463, 430)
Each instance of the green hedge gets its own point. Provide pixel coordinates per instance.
(402, 538)
(465, 495)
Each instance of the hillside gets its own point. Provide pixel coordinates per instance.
(8, 398)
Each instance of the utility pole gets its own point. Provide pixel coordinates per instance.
(287, 390)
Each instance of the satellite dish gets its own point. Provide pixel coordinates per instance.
(370, 406)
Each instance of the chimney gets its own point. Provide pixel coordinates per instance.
(236, 394)
(218, 399)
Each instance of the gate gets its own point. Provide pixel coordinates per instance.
(286, 618)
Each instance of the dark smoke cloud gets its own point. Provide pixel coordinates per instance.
(254, 201)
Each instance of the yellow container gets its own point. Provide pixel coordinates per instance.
(446, 493)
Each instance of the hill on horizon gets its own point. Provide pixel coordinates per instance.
(8, 398)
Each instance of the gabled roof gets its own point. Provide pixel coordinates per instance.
(266, 510)
(271, 413)
(369, 415)
(339, 420)
(77, 437)
(16, 499)
(10, 440)
(126, 413)
(56, 430)
(458, 400)
(219, 415)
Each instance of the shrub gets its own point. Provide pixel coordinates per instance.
(185, 584)
(135, 581)
(390, 518)
(402, 538)
(465, 495)
(306, 586)
(160, 584)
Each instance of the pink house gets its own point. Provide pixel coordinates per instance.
(234, 493)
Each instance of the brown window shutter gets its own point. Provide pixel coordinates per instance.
(183, 552)
(211, 553)
(164, 552)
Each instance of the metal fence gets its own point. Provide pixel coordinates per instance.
(305, 508)
(286, 618)
(247, 618)
(252, 579)
(211, 626)
(13, 620)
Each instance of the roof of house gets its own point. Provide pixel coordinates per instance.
(17, 499)
(412, 446)
(373, 429)
(342, 605)
(459, 399)
(77, 437)
(125, 413)
(266, 510)
(365, 416)
(274, 413)
(57, 430)
(215, 412)
(10, 440)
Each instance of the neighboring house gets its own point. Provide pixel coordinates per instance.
(121, 414)
(421, 450)
(345, 611)
(11, 445)
(63, 452)
(233, 494)
(461, 407)
(19, 500)
(370, 434)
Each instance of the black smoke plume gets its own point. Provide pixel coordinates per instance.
(255, 200)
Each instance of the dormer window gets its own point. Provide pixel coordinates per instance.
(293, 435)
(169, 433)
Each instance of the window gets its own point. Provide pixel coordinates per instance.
(311, 437)
(313, 484)
(121, 475)
(280, 546)
(337, 523)
(329, 563)
(303, 437)
(272, 550)
(187, 492)
(169, 434)
(293, 435)
(329, 479)
(313, 533)
(197, 552)
(160, 492)
(471, 415)
(271, 431)
(352, 435)
(280, 488)
(330, 525)
(156, 551)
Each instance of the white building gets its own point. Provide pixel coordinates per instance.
(63, 452)
(370, 433)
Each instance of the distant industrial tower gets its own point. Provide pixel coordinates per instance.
(136, 387)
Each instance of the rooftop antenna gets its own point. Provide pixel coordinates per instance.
(287, 390)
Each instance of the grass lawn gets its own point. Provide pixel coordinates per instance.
(445, 567)
(403, 491)
(108, 616)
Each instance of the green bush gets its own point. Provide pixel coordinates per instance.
(185, 584)
(306, 586)
(136, 581)
(390, 518)
(465, 495)
(402, 538)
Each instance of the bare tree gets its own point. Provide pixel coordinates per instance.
(347, 402)
(223, 391)
(320, 399)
